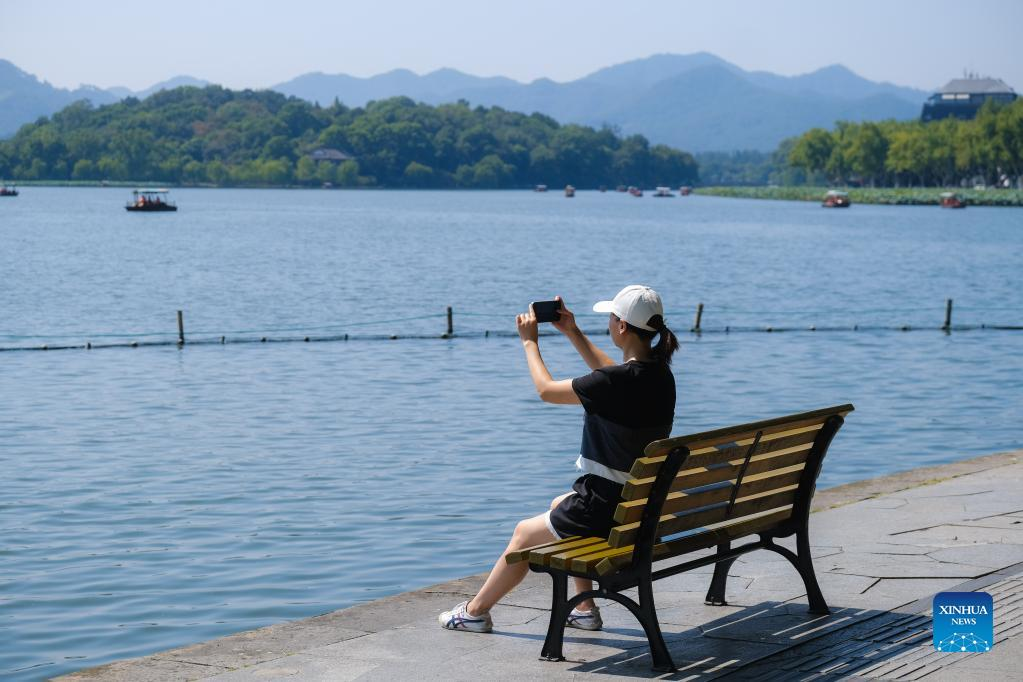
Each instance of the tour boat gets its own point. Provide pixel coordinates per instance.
(148, 200)
(8, 190)
(663, 192)
(835, 199)
(951, 200)
(569, 191)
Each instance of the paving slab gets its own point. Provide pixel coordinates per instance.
(882, 548)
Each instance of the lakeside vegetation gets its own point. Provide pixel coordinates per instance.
(986, 150)
(211, 135)
(949, 152)
(867, 195)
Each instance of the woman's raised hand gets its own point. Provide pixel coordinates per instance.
(526, 323)
(566, 321)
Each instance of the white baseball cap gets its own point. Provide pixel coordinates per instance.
(635, 304)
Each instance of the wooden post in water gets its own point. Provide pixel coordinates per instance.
(451, 328)
(181, 329)
(947, 327)
(699, 316)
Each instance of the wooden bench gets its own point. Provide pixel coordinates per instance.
(689, 493)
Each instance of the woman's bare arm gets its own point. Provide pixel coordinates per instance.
(591, 355)
(551, 391)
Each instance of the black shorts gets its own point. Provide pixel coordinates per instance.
(589, 511)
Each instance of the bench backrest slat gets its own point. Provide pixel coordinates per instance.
(752, 483)
(654, 454)
(625, 534)
(759, 468)
(701, 470)
(659, 448)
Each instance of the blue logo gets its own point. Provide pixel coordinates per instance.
(963, 622)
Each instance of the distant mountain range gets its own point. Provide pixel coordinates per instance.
(697, 102)
(24, 98)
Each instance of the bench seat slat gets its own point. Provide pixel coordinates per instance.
(561, 560)
(518, 555)
(542, 556)
(606, 559)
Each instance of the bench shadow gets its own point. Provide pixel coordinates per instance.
(769, 640)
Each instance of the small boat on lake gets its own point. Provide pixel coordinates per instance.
(150, 200)
(540, 188)
(635, 191)
(569, 191)
(8, 190)
(836, 199)
(662, 192)
(685, 191)
(952, 200)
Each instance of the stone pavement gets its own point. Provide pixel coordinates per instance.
(882, 549)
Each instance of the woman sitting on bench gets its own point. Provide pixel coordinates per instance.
(627, 406)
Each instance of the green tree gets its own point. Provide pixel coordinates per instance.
(278, 147)
(325, 172)
(113, 168)
(491, 172)
(348, 173)
(866, 152)
(465, 176)
(275, 172)
(193, 172)
(84, 169)
(812, 150)
(305, 170)
(217, 172)
(419, 175)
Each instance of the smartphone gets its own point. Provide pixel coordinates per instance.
(547, 311)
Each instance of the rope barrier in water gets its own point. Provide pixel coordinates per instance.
(308, 333)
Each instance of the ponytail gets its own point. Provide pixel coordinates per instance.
(666, 344)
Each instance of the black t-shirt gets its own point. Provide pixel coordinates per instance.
(627, 406)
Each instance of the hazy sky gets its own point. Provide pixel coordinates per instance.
(260, 43)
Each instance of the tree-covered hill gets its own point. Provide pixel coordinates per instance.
(213, 135)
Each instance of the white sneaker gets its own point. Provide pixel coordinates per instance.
(585, 620)
(459, 619)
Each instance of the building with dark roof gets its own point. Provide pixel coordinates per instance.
(963, 98)
(326, 154)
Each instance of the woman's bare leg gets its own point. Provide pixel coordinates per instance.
(581, 584)
(504, 576)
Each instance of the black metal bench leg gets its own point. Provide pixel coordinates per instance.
(716, 593)
(806, 572)
(648, 619)
(804, 564)
(552, 646)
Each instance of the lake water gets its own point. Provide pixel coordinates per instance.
(154, 497)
